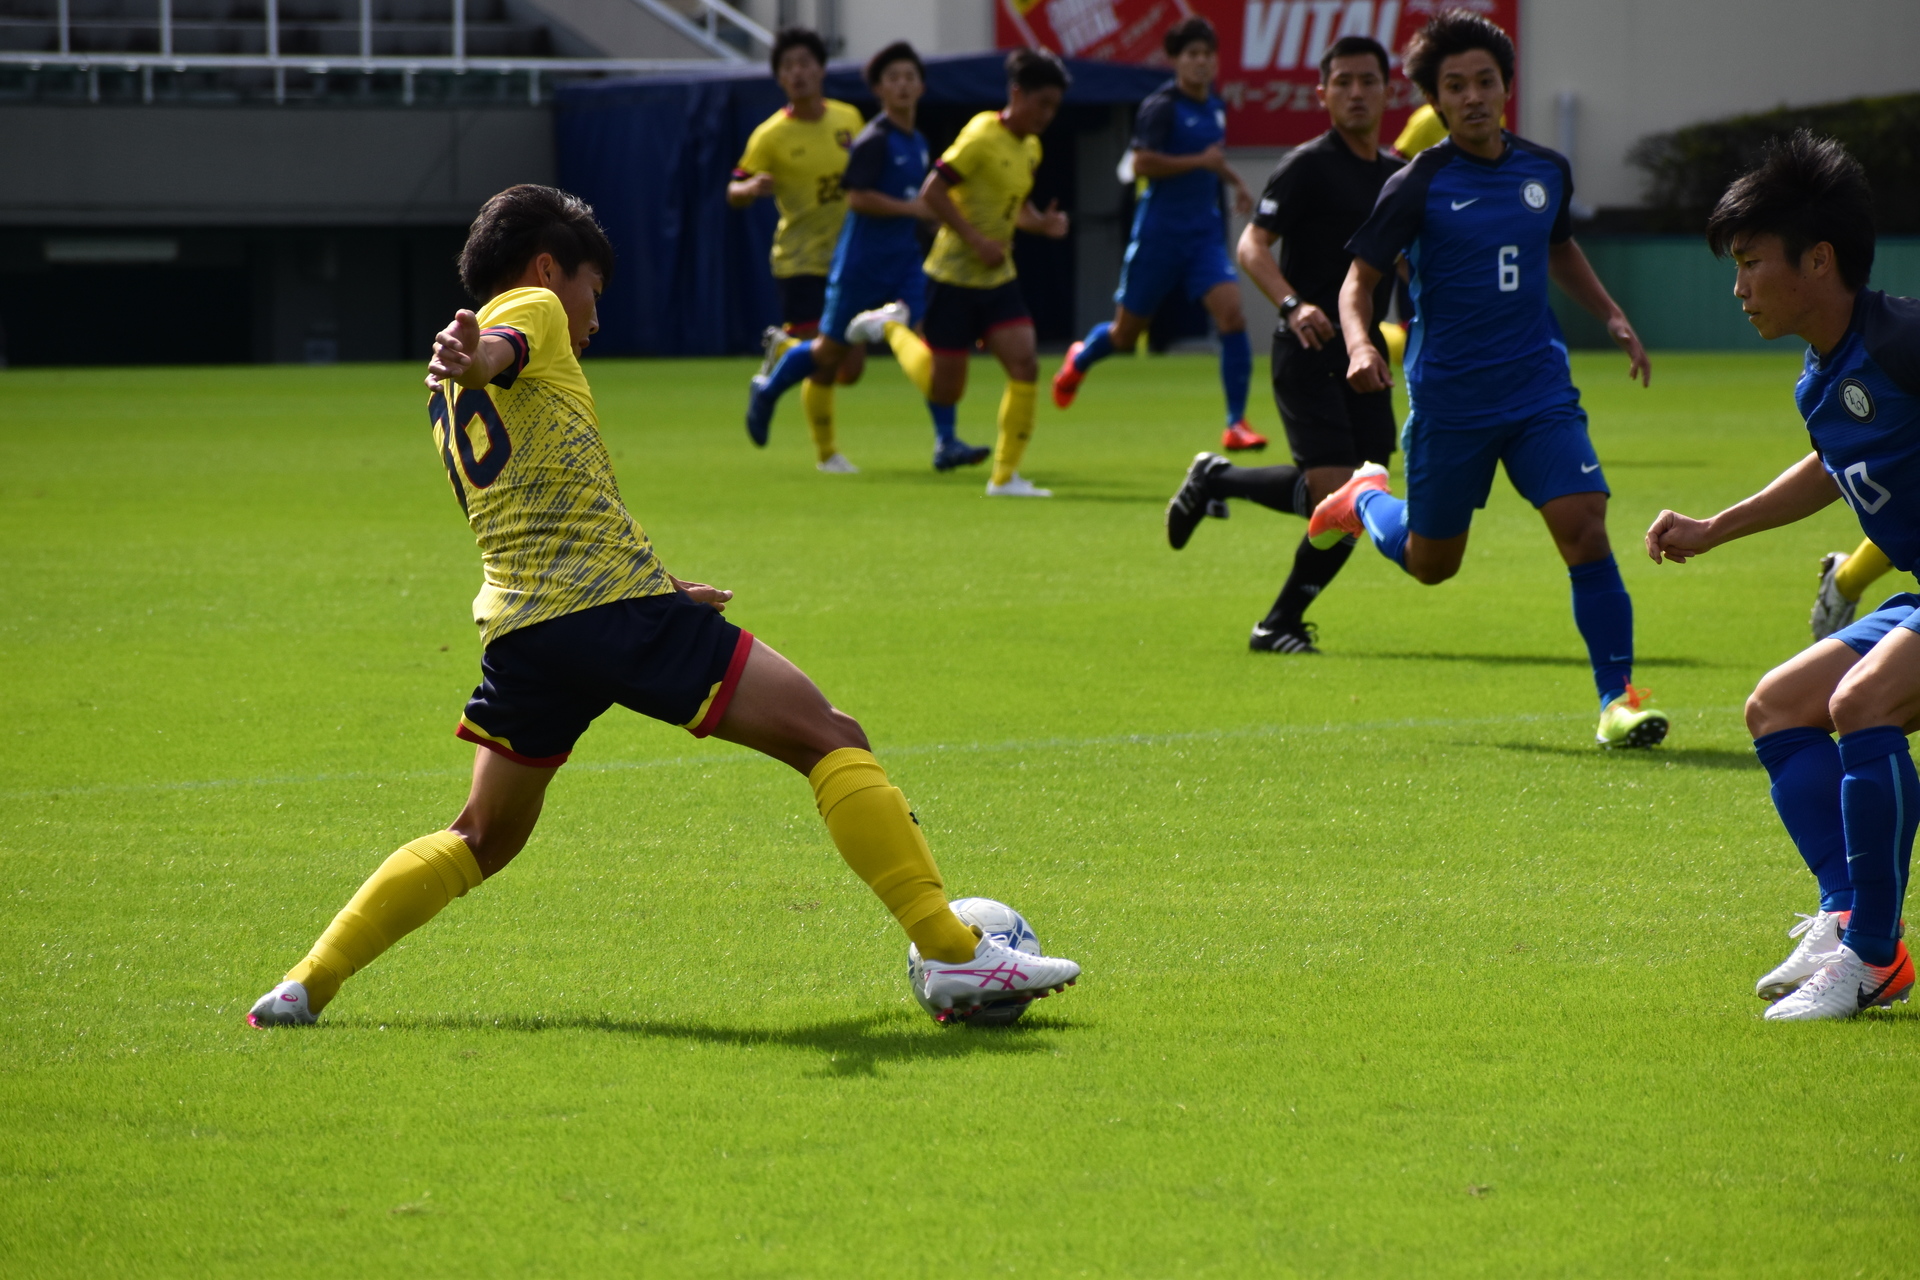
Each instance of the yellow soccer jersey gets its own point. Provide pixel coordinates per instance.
(531, 472)
(989, 173)
(806, 159)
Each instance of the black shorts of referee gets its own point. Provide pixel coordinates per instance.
(1328, 423)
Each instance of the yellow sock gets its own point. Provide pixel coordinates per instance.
(879, 837)
(409, 889)
(915, 357)
(1016, 427)
(1867, 563)
(781, 345)
(817, 400)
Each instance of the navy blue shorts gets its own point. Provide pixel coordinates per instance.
(852, 289)
(1156, 265)
(959, 316)
(1450, 471)
(667, 656)
(1901, 612)
(801, 299)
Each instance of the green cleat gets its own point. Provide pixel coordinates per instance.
(1628, 721)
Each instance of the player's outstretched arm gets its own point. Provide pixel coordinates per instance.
(1797, 493)
(463, 356)
(1567, 266)
(742, 192)
(1367, 369)
(1051, 221)
(934, 192)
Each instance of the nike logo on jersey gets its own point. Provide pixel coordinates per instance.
(1458, 205)
(1586, 470)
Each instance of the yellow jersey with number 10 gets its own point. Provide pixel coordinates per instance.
(989, 173)
(530, 470)
(806, 159)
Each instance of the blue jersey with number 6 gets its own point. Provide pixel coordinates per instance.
(1483, 347)
(1862, 406)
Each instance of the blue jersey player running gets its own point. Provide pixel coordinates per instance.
(1482, 222)
(1179, 236)
(1800, 230)
(876, 288)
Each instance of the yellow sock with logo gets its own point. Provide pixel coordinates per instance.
(1867, 563)
(410, 888)
(1016, 427)
(879, 837)
(817, 400)
(915, 357)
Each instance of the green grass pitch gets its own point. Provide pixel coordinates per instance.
(1389, 972)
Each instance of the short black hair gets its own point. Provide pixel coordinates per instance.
(519, 225)
(1353, 47)
(1032, 70)
(898, 51)
(1452, 32)
(1806, 189)
(1192, 31)
(797, 38)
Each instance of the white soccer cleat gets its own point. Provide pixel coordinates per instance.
(284, 1006)
(1819, 934)
(772, 344)
(1844, 985)
(837, 465)
(1017, 486)
(871, 326)
(1831, 610)
(995, 972)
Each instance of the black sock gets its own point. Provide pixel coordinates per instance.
(1281, 488)
(1313, 569)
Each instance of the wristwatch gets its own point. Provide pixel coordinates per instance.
(1289, 305)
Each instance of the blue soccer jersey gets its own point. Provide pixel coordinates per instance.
(1173, 124)
(892, 161)
(1484, 346)
(1862, 406)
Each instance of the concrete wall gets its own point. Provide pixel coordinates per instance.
(263, 166)
(1643, 66)
(932, 26)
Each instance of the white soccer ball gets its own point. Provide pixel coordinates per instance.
(1004, 925)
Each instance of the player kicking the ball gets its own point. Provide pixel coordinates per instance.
(1800, 231)
(1482, 219)
(577, 613)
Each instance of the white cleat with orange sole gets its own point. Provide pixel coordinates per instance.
(1336, 517)
(993, 973)
(1819, 934)
(284, 1006)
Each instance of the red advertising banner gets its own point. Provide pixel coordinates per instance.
(1269, 49)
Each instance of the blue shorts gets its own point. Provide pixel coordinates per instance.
(851, 290)
(1895, 613)
(1156, 264)
(1450, 471)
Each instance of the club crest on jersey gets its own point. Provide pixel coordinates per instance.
(1533, 195)
(1856, 400)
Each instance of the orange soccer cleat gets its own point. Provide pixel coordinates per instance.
(1240, 436)
(1336, 517)
(1066, 383)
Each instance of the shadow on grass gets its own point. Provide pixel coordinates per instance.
(853, 1046)
(1539, 660)
(1657, 757)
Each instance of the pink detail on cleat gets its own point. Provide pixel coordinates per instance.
(1337, 517)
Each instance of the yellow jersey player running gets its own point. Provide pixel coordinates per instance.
(577, 613)
(798, 155)
(978, 190)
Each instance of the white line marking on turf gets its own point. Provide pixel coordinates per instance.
(923, 749)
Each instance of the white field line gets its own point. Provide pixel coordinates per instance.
(1055, 744)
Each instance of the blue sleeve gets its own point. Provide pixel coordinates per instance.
(1153, 127)
(867, 162)
(1396, 219)
(1892, 336)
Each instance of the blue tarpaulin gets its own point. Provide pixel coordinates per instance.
(653, 157)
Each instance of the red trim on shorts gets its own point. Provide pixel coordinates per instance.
(542, 762)
(1002, 324)
(728, 683)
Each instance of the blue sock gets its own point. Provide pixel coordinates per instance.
(1386, 519)
(1236, 372)
(943, 416)
(792, 369)
(1603, 611)
(1095, 347)
(1805, 767)
(1879, 806)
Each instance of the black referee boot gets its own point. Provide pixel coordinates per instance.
(1294, 635)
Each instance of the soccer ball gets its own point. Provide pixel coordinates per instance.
(1004, 925)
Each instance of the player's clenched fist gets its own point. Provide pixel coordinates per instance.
(1367, 369)
(454, 348)
(1678, 538)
